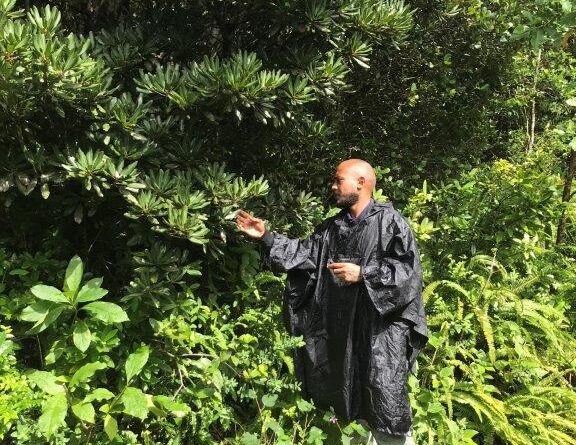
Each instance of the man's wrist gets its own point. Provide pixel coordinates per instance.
(267, 239)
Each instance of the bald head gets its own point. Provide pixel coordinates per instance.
(354, 181)
(359, 169)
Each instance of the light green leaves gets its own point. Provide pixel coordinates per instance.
(45, 320)
(81, 336)
(250, 439)
(53, 414)
(52, 302)
(269, 400)
(84, 411)
(90, 294)
(136, 361)
(135, 402)
(47, 382)
(36, 311)
(99, 394)
(73, 277)
(106, 312)
(177, 409)
(110, 426)
(49, 293)
(85, 372)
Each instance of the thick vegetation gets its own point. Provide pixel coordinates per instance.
(132, 311)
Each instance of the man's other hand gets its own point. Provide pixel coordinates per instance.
(348, 273)
(251, 226)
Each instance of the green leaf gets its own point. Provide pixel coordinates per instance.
(571, 101)
(84, 411)
(315, 436)
(304, 405)
(94, 282)
(110, 426)
(135, 403)
(269, 400)
(249, 439)
(86, 371)
(36, 311)
(53, 414)
(88, 293)
(99, 394)
(74, 273)
(50, 318)
(81, 336)
(177, 409)
(107, 312)
(136, 361)
(49, 293)
(46, 381)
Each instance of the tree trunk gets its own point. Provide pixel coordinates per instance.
(531, 120)
(566, 195)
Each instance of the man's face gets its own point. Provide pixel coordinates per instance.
(344, 188)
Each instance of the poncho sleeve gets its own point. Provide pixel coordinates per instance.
(392, 275)
(294, 254)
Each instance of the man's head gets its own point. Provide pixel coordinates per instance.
(354, 180)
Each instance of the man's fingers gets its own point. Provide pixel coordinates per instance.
(242, 220)
(243, 214)
(246, 218)
(246, 221)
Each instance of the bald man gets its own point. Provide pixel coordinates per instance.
(354, 293)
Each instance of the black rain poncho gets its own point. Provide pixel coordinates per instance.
(361, 339)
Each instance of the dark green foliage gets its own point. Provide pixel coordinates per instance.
(131, 132)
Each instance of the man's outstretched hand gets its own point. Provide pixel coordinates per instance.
(251, 226)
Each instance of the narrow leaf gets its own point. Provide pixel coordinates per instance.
(74, 273)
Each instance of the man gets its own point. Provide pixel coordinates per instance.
(354, 293)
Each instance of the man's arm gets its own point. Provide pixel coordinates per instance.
(284, 253)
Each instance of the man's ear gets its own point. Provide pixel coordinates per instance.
(361, 182)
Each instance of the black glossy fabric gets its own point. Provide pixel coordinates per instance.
(361, 339)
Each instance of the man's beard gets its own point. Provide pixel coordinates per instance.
(346, 201)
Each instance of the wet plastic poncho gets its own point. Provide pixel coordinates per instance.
(361, 339)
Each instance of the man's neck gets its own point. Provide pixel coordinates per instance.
(357, 208)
